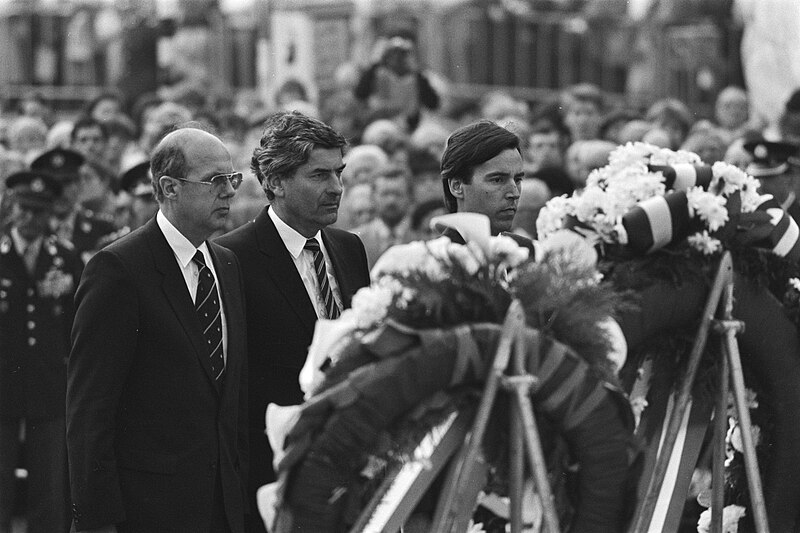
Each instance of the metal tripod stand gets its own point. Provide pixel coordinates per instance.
(463, 482)
(717, 316)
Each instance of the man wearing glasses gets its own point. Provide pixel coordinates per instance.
(156, 401)
(296, 268)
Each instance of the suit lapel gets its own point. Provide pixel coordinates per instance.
(283, 271)
(340, 267)
(174, 287)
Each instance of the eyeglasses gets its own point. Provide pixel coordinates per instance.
(219, 181)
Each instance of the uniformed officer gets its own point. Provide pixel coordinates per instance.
(137, 185)
(79, 226)
(771, 165)
(38, 277)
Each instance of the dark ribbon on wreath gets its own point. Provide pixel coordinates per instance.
(770, 347)
(329, 445)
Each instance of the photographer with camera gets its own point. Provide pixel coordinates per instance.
(394, 86)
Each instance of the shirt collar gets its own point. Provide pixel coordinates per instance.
(293, 240)
(20, 244)
(184, 250)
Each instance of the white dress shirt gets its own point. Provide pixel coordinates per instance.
(304, 262)
(184, 252)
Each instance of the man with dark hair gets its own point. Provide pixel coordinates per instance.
(482, 172)
(296, 268)
(545, 148)
(583, 111)
(156, 391)
(89, 138)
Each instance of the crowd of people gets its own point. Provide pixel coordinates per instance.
(378, 159)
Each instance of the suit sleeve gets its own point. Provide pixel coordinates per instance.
(243, 436)
(103, 347)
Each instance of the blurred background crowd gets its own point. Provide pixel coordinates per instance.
(573, 78)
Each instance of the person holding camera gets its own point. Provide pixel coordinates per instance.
(394, 86)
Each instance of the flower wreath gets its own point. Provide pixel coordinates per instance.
(659, 218)
(648, 197)
(427, 325)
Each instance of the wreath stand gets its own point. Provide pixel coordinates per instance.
(719, 304)
(464, 479)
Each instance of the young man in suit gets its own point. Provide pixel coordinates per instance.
(156, 392)
(482, 172)
(296, 268)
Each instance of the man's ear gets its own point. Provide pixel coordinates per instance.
(274, 184)
(167, 186)
(456, 187)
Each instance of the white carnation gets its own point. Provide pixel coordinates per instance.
(704, 243)
(709, 207)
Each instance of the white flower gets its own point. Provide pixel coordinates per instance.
(370, 304)
(572, 248)
(638, 405)
(734, 435)
(507, 251)
(730, 519)
(705, 243)
(472, 527)
(401, 259)
(751, 198)
(727, 178)
(439, 248)
(795, 284)
(551, 217)
(465, 257)
(708, 206)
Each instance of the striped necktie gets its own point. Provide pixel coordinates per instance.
(208, 311)
(331, 308)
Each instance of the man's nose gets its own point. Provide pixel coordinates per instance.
(337, 187)
(228, 190)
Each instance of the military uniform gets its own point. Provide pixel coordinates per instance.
(36, 313)
(86, 231)
(773, 164)
(38, 279)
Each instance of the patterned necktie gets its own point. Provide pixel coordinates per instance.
(208, 311)
(331, 308)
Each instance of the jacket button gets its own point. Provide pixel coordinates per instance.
(31, 341)
(30, 292)
(31, 324)
(31, 308)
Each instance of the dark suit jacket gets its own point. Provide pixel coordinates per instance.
(281, 318)
(149, 431)
(525, 242)
(36, 314)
